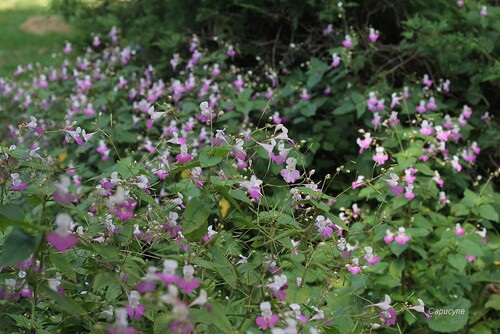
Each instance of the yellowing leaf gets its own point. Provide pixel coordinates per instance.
(62, 156)
(186, 174)
(224, 206)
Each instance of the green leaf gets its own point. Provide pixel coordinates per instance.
(469, 247)
(12, 212)
(207, 161)
(61, 262)
(345, 108)
(195, 219)
(396, 268)
(488, 212)
(458, 261)
(449, 323)
(298, 295)
(66, 304)
(125, 169)
(424, 169)
(17, 247)
(217, 317)
(225, 268)
(161, 323)
(493, 302)
(359, 102)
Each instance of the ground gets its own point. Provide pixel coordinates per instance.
(29, 33)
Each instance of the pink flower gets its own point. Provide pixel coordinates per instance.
(328, 30)
(437, 178)
(482, 234)
(470, 258)
(421, 107)
(358, 183)
(402, 238)
(460, 3)
(121, 323)
(393, 186)
(135, 310)
(373, 35)
(347, 42)
(380, 157)
(290, 174)
(210, 234)
(253, 187)
(206, 113)
(459, 230)
(148, 282)
(267, 319)
(324, 225)
(17, 183)
(355, 268)
(365, 142)
(278, 286)
(420, 308)
(431, 105)
(484, 11)
(61, 238)
(426, 128)
(442, 198)
(239, 82)
(168, 274)
(426, 81)
(409, 195)
(305, 95)
(67, 48)
(188, 283)
(370, 257)
(184, 156)
(230, 51)
(335, 60)
(389, 237)
(388, 317)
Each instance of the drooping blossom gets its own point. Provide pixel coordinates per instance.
(206, 113)
(267, 319)
(305, 95)
(431, 104)
(482, 234)
(290, 174)
(370, 257)
(420, 308)
(421, 107)
(459, 230)
(17, 183)
(389, 237)
(380, 157)
(168, 274)
(426, 81)
(437, 178)
(278, 286)
(188, 283)
(335, 60)
(388, 314)
(355, 268)
(62, 239)
(184, 157)
(373, 35)
(365, 142)
(210, 234)
(426, 128)
(442, 198)
(347, 42)
(393, 185)
(359, 182)
(121, 323)
(324, 225)
(402, 238)
(253, 187)
(135, 310)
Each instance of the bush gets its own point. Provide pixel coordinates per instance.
(141, 212)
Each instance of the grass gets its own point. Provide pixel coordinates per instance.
(19, 47)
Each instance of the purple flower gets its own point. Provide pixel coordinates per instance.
(388, 317)
(290, 174)
(188, 284)
(135, 310)
(61, 238)
(267, 319)
(17, 183)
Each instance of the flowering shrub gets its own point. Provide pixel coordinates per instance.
(124, 210)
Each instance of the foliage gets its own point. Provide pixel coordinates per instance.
(293, 199)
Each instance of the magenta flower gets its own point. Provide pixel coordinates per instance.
(335, 60)
(67, 48)
(389, 237)
(373, 35)
(393, 185)
(484, 11)
(324, 225)
(148, 282)
(121, 323)
(135, 310)
(482, 234)
(328, 30)
(358, 183)
(426, 128)
(188, 284)
(459, 230)
(305, 95)
(290, 174)
(253, 187)
(431, 104)
(402, 238)
(17, 183)
(278, 287)
(168, 274)
(184, 156)
(388, 317)
(61, 238)
(421, 107)
(437, 178)
(210, 234)
(460, 3)
(365, 142)
(267, 319)
(230, 51)
(380, 157)
(347, 42)
(370, 257)
(420, 308)
(456, 164)
(426, 81)
(355, 268)
(470, 258)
